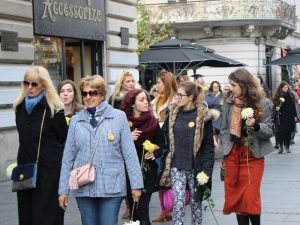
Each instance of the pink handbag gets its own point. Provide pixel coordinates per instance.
(81, 176)
(168, 201)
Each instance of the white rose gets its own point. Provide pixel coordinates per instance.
(202, 178)
(247, 113)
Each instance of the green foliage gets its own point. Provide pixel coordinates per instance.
(148, 33)
(208, 199)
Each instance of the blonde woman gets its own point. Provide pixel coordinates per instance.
(167, 87)
(125, 83)
(38, 95)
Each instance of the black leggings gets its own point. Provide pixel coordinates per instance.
(244, 219)
(284, 139)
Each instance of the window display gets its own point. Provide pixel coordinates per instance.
(48, 53)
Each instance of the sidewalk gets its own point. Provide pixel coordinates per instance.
(280, 196)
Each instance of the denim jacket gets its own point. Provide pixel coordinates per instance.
(110, 156)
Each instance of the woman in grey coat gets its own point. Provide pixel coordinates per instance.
(243, 144)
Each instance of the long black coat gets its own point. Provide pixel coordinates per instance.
(40, 205)
(284, 120)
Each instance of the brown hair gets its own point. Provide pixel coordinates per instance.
(212, 84)
(76, 105)
(278, 93)
(170, 85)
(251, 93)
(192, 89)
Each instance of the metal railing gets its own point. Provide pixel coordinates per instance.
(216, 10)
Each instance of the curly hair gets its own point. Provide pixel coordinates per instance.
(279, 91)
(251, 92)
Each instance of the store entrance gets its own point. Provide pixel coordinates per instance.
(67, 58)
(82, 58)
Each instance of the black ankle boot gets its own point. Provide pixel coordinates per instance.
(280, 150)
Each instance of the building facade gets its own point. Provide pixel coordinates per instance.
(70, 38)
(252, 32)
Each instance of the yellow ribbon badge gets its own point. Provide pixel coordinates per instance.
(191, 124)
(111, 137)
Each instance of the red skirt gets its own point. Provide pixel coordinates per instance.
(243, 175)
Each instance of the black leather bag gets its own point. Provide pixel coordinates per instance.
(24, 177)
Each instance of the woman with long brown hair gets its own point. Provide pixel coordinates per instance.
(167, 87)
(284, 116)
(69, 96)
(244, 141)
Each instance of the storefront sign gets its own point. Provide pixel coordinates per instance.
(9, 41)
(84, 19)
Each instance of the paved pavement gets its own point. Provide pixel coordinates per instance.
(280, 196)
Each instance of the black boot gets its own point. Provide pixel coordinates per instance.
(280, 150)
(276, 146)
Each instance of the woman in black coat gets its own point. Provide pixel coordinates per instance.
(284, 116)
(40, 205)
(144, 126)
(191, 152)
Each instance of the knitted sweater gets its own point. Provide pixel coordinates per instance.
(184, 134)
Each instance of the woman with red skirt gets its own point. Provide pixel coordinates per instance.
(244, 141)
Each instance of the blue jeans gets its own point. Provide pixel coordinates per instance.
(99, 211)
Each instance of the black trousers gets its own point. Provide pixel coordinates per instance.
(284, 139)
(141, 210)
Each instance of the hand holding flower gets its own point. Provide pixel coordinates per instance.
(250, 122)
(149, 156)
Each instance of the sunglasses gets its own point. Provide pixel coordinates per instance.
(156, 91)
(27, 84)
(92, 93)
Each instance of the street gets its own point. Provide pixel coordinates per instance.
(280, 196)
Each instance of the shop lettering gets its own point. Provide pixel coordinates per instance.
(54, 8)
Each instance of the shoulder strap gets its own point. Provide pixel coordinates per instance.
(38, 154)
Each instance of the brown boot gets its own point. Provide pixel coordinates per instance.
(160, 218)
(169, 216)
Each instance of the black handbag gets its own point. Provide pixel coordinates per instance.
(24, 176)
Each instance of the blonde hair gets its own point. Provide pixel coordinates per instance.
(41, 74)
(118, 85)
(94, 81)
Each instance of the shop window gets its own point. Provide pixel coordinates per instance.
(48, 53)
